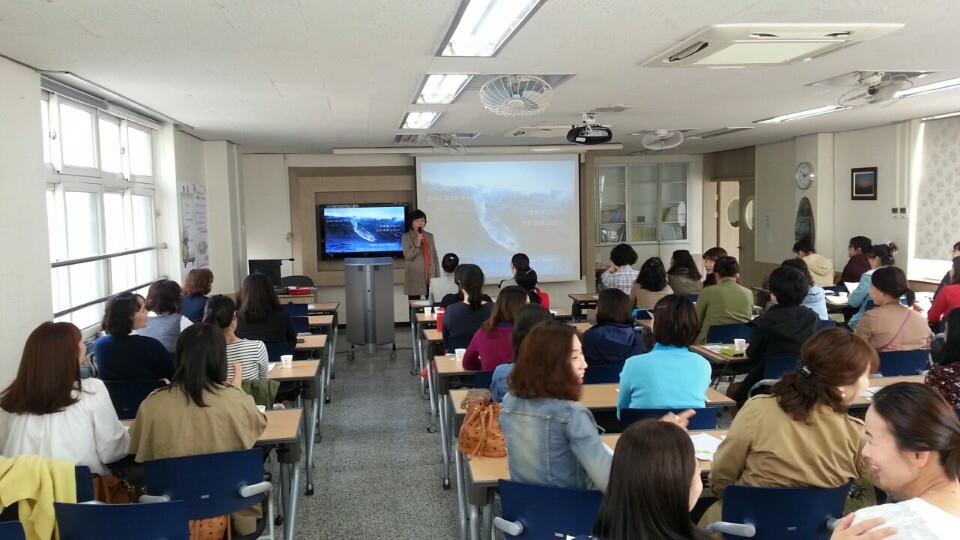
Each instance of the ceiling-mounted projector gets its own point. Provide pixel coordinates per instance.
(590, 132)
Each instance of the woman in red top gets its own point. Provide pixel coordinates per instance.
(949, 297)
(491, 345)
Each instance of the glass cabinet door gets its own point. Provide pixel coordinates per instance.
(643, 195)
(673, 201)
(612, 198)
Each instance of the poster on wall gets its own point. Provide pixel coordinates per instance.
(194, 251)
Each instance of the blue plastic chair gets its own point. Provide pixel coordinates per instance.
(546, 512)
(84, 480)
(127, 396)
(210, 485)
(603, 374)
(726, 333)
(693, 297)
(894, 363)
(276, 349)
(827, 323)
(11, 530)
(780, 513)
(706, 417)
(482, 379)
(301, 324)
(296, 310)
(641, 314)
(778, 366)
(122, 521)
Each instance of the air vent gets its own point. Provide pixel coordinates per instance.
(765, 43)
(539, 132)
(553, 80)
(717, 132)
(407, 139)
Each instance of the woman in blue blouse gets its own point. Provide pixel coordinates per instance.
(879, 255)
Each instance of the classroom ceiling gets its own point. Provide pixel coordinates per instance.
(303, 76)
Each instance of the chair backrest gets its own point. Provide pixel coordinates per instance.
(458, 342)
(784, 513)
(894, 363)
(726, 333)
(706, 417)
(296, 310)
(642, 314)
(207, 484)
(827, 323)
(276, 349)
(122, 521)
(296, 281)
(127, 396)
(482, 379)
(301, 324)
(693, 297)
(603, 373)
(11, 530)
(778, 366)
(84, 481)
(549, 512)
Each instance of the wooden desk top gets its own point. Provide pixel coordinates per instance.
(715, 357)
(432, 335)
(424, 318)
(599, 397)
(582, 326)
(319, 320)
(864, 401)
(302, 370)
(282, 427)
(448, 366)
(487, 472)
(316, 341)
(583, 297)
(324, 306)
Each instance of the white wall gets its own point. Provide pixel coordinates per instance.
(266, 207)
(225, 235)
(25, 279)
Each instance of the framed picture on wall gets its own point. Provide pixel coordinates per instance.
(863, 184)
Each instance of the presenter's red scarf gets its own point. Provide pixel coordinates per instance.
(425, 249)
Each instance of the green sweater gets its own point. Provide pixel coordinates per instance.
(724, 303)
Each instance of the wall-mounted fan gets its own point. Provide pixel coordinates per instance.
(516, 95)
(661, 139)
(875, 87)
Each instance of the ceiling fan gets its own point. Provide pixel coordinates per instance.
(875, 87)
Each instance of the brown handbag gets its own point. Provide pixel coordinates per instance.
(480, 434)
(111, 489)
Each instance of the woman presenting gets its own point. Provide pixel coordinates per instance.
(420, 252)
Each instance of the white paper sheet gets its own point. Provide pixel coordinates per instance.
(271, 365)
(705, 445)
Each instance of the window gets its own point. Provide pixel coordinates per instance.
(100, 207)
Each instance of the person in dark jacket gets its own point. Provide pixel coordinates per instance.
(196, 286)
(261, 317)
(613, 339)
(462, 319)
(948, 277)
(121, 355)
(782, 329)
(858, 264)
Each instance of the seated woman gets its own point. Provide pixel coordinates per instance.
(669, 376)
(948, 296)
(801, 434)
(528, 282)
(48, 411)
(727, 302)
(250, 354)
(945, 374)
(816, 298)
(462, 319)
(651, 284)
(820, 267)
(261, 317)
(621, 275)
(683, 275)
(913, 452)
(891, 326)
(491, 345)
(164, 322)
(710, 258)
(444, 284)
(527, 317)
(654, 484)
(456, 297)
(121, 355)
(613, 339)
(781, 330)
(877, 256)
(519, 264)
(948, 277)
(551, 438)
(196, 286)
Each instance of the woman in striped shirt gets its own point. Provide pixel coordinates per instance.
(250, 354)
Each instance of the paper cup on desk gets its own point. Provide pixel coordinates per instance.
(286, 361)
(740, 345)
(460, 353)
(428, 310)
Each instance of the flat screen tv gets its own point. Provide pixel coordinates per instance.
(360, 230)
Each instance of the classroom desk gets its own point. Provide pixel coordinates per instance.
(864, 401)
(716, 358)
(581, 302)
(297, 298)
(314, 321)
(332, 330)
(305, 371)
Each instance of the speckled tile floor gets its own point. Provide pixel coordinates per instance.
(377, 469)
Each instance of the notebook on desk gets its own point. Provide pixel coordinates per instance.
(851, 286)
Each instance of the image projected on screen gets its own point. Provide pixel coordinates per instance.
(348, 231)
(486, 210)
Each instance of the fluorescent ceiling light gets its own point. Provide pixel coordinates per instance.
(928, 88)
(484, 26)
(419, 120)
(826, 109)
(442, 88)
(941, 116)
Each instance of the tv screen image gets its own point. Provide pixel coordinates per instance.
(373, 230)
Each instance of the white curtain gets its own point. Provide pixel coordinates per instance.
(938, 199)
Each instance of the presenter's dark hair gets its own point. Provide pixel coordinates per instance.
(450, 262)
(682, 263)
(648, 497)
(201, 362)
(220, 311)
(861, 243)
(471, 281)
(258, 300)
(531, 315)
(118, 315)
(652, 275)
(163, 297)
(520, 262)
(49, 371)
(413, 216)
(675, 321)
(623, 254)
(789, 285)
(613, 307)
(805, 245)
(892, 282)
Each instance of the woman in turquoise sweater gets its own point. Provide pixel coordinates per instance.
(670, 376)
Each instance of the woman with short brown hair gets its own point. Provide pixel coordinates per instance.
(196, 286)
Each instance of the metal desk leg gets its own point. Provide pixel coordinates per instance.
(486, 517)
(414, 341)
(474, 522)
(461, 490)
(311, 408)
(290, 520)
(331, 355)
(285, 494)
(430, 387)
(444, 442)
